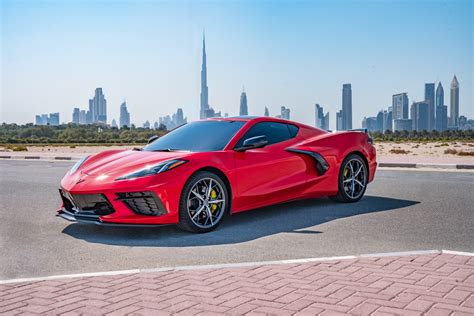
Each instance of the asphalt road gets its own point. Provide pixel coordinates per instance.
(402, 211)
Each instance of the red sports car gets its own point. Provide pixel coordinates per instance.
(199, 172)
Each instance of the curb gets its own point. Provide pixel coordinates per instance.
(62, 158)
(239, 265)
(424, 165)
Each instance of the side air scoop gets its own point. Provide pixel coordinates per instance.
(321, 164)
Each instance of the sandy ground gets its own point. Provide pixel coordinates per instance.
(432, 152)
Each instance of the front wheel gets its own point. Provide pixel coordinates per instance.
(203, 203)
(353, 178)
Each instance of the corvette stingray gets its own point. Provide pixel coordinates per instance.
(199, 172)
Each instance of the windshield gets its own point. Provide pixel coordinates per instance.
(197, 136)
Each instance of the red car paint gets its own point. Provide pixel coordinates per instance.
(256, 177)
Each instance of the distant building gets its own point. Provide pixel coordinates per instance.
(388, 119)
(454, 103)
(146, 125)
(402, 125)
(285, 113)
(339, 122)
(114, 124)
(174, 120)
(82, 117)
(400, 106)
(54, 119)
(346, 106)
(45, 119)
(243, 104)
(370, 123)
(266, 113)
(321, 120)
(439, 95)
(379, 124)
(98, 107)
(420, 116)
(39, 120)
(206, 111)
(441, 118)
(75, 115)
(124, 119)
(430, 99)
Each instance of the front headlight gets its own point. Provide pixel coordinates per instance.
(78, 164)
(154, 169)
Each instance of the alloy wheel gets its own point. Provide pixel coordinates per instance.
(354, 178)
(206, 203)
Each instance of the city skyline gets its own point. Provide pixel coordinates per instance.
(295, 64)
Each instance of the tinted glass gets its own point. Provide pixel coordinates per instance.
(293, 130)
(197, 136)
(275, 132)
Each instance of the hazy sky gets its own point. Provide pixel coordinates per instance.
(55, 53)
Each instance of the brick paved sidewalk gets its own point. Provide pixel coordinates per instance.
(435, 284)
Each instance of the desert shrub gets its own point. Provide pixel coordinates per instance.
(451, 151)
(466, 153)
(399, 151)
(20, 148)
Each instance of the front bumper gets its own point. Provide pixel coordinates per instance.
(155, 205)
(77, 218)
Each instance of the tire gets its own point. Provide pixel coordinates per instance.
(351, 191)
(197, 202)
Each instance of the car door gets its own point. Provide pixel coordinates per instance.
(269, 174)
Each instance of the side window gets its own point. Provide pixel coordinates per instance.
(275, 132)
(293, 130)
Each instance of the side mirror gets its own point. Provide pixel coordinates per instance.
(253, 142)
(152, 139)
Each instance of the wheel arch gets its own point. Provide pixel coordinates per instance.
(361, 155)
(221, 175)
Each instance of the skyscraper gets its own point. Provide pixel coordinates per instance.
(400, 106)
(387, 119)
(285, 113)
(379, 124)
(204, 89)
(75, 115)
(430, 99)
(439, 95)
(346, 106)
(124, 119)
(454, 103)
(82, 117)
(321, 120)
(441, 118)
(98, 107)
(339, 123)
(420, 115)
(266, 113)
(243, 104)
(114, 124)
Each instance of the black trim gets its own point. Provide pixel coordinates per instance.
(142, 203)
(63, 213)
(321, 164)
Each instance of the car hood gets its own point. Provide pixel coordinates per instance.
(117, 163)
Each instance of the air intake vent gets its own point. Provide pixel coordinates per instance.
(142, 203)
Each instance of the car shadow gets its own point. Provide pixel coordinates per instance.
(293, 217)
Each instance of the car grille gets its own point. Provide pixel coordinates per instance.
(86, 204)
(142, 203)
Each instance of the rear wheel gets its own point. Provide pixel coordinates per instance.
(203, 203)
(353, 177)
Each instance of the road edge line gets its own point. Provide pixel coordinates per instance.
(235, 265)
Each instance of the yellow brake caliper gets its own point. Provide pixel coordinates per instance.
(213, 197)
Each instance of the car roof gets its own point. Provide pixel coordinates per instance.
(247, 118)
